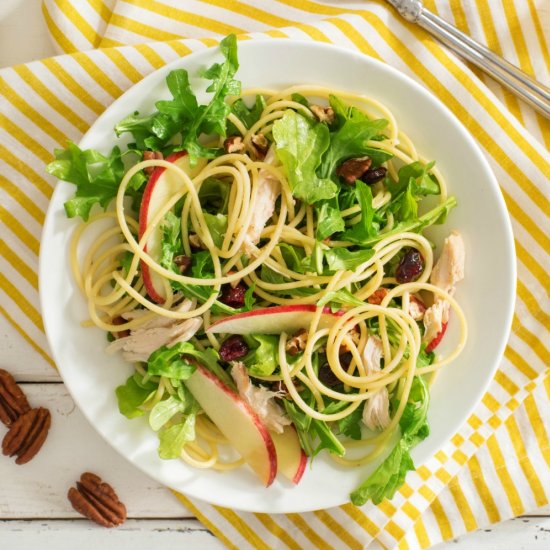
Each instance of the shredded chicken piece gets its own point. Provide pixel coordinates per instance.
(156, 332)
(448, 270)
(416, 308)
(269, 188)
(376, 414)
(434, 319)
(260, 399)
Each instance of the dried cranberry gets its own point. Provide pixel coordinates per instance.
(233, 348)
(410, 267)
(233, 297)
(327, 377)
(374, 175)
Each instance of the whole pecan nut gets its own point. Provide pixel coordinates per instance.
(352, 169)
(97, 500)
(13, 402)
(27, 435)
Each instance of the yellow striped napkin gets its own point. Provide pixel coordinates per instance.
(498, 465)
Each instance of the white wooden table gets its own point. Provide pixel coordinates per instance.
(34, 510)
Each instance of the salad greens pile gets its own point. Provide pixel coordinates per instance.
(310, 151)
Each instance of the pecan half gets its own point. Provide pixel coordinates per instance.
(352, 169)
(297, 343)
(261, 145)
(13, 402)
(323, 114)
(97, 500)
(27, 435)
(151, 155)
(355, 336)
(234, 144)
(183, 263)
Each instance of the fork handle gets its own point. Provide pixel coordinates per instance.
(534, 93)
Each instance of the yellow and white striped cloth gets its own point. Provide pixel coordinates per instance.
(498, 465)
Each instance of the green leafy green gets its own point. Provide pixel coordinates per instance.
(164, 410)
(351, 425)
(342, 296)
(217, 225)
(247, 115)
(342, 258)
(173, 438)
(329, 220)
(415, 175)
(366, 228)
(182, 115)
(169, 361)
(350, 139)
(390, 475)
(214, 196)
(435, 215)
(300, 146)
(263, 357)
(131, 397)
(96, 177)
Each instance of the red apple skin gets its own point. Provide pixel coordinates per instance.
(143, 222)
(267, 441)
(231, 325)
(292, 463)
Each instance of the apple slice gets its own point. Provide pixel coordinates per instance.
(237, 421)
(273, 320)
(162, 185)
(291, 458)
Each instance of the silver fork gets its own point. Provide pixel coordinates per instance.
(524, 86)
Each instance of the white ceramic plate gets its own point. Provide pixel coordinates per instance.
(487, 293)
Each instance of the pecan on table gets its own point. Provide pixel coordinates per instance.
(97, 500)
(13, 402)
(27, 435)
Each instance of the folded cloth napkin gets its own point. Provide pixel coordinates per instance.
(468, 484)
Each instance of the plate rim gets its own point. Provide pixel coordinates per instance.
(508, 240)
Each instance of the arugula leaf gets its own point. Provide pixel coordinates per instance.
(302, 423)
(367, 227)
(249, 298)
(390, 475)
(416, 175)
(327, 439)
(131, 396)
(299, 98)
(329, 220)
(342, 296)
(212, 118)
(342, 258)
(300, 146)
(173, 438)
(435, 215)
(293, 256)
(409, 207)
(263, 357)
(163, 411)
(214, 196)
(96, 177)
(217, 225)
(168, 361)
(182, 115)
(247, 115)
(351, 425)
(350, 140)
(184, 104)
